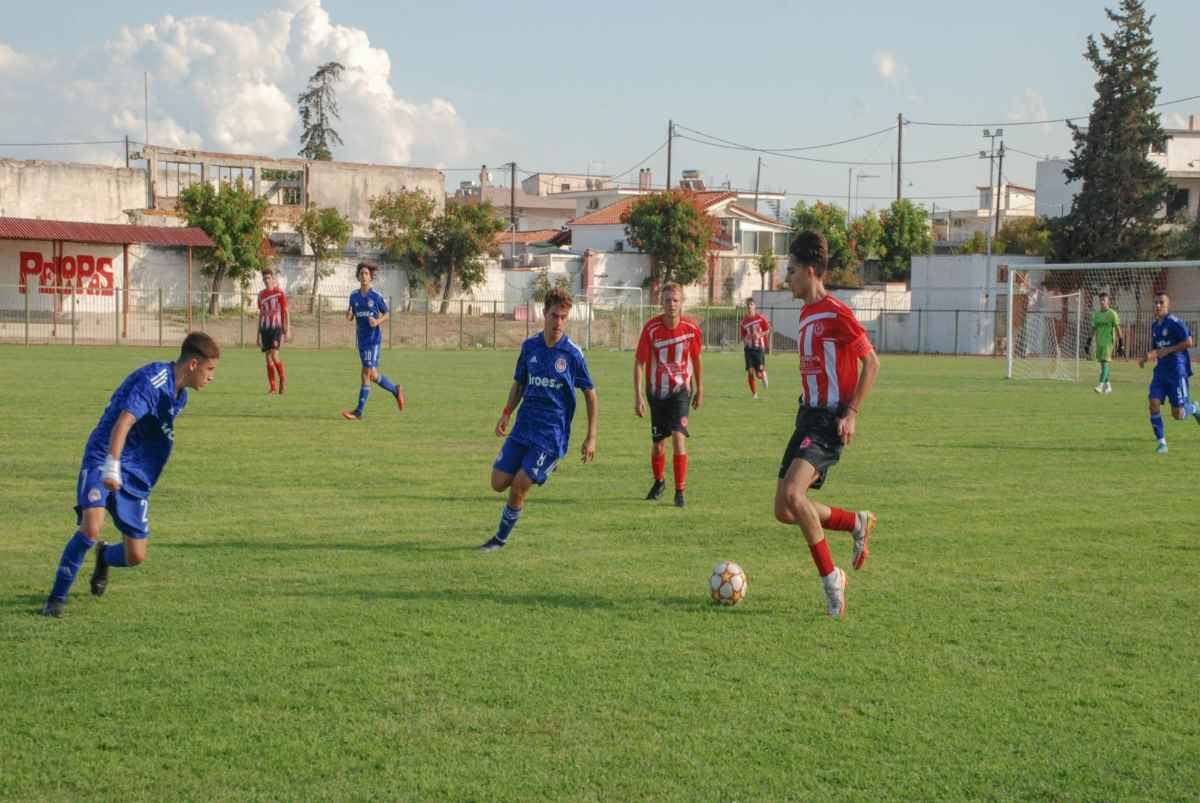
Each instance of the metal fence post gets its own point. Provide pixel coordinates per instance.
(242, 320)
(160, 316)
(620, 328)
(204, 312)
(391, 317)
(74, 314)
(495, 322)
(707, 339)
(955, 333)
(318, 300)
(117, 316)
(771, 326)
(590, 312)
(28, 289)
(528, 315)
(428, 305)
(460, 324)
(920, 331)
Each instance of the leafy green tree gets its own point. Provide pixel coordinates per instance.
(675, 231)
(458, 241)
(541, 286)
(401, 224)
(830, 220)
(865, 234)
(905, 233)
(318, 108)
(326, 231)
(1113, 216)
(765, 262)
(1180, 243)
(1024, 236)
(236, 221)
(977, 244)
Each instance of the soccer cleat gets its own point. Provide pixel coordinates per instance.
(491, 545)
(1162, 449)
(755, 397)
(349, 416)
(656, 489)
(835, 595)
(1099, 388)
(282, 383)
(679, 501)
(864, 525)
(766, 384)
(1107, 388)
(54, 607)
(100, 573)
(400, 398)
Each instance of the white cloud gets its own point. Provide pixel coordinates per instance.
(1027, 107)
(888, 67)
(229, 86)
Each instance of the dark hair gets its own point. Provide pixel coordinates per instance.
(199, 346)
(1103, 295)
(358, 269)
(810, 250)
(750, 301)
(557, 297)
(266, 271)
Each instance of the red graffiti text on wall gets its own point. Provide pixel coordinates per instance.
(81, 273)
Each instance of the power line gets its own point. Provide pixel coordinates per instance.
(1012, 124)
(971, 155)
(60, 144)
(654, 153)
(802, 148)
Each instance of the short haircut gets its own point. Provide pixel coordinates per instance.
(810, 250)
(671, 287)
(751, 300)
(199, 346)
(557, 297)
(268, 272)
(1103, 295)
(1164, 294)
(359, 269)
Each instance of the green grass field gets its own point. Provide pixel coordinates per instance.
(313, 621)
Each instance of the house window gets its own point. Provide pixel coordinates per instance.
(749, 242)
(175, 177)
(594, 203)
(619, 245)
(1178, 202)
(231, 175)
(1002, 274)
(283, 187)
(565, 187)
(782, 243)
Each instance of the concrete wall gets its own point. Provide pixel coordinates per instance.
(598, 238)
(69, 191)
(350, 187)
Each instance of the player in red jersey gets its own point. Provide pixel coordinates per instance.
(272, 326)
(755, 329)
(832, 346)
(669, 355)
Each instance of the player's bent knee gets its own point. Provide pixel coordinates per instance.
(501, 481)
(135, 552)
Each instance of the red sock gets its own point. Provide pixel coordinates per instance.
(820, 556)
(658, 464)
(753, 387)
(840, 519)
(279, 368)
(271, 375)
(679, 463)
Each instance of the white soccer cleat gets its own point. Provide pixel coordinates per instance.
(864, 525)
(1107, 387)
(1099, 388)
(835, 594)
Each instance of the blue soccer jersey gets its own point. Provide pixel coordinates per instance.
(364, 308)
(1166, 333)
(550, 376)
(148, 394)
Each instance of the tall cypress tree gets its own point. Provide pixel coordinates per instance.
(1113, 216)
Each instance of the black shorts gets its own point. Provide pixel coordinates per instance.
(755, 358)
(815, 440)
(271, 338)
(669, 415)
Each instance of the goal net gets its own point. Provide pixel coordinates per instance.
(1049, 311)
(617, 314)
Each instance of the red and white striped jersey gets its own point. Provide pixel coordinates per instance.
(754, 331)
(831, 343)
(669, 355)
(272, 307)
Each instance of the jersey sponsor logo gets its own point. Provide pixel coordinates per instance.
(94, 495)
(560, 365)
(545, 382)
(169, 431)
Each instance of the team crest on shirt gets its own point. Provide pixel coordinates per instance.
(94, 495)
(560, 365)
(819, 329)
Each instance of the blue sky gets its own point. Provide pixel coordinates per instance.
(567, 86)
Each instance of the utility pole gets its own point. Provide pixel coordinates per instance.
(126, 151)
(899, 151)
(670, 137)
(512, 208)
(849, 184)
(999, 189)
(757, 178)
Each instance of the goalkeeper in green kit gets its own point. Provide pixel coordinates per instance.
(1105, 323)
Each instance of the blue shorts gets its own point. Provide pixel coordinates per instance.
(131, 514)
(537, 462)
(369, 355)
(1176, 392)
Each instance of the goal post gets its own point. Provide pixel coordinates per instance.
(1049, 310)
(616, 313)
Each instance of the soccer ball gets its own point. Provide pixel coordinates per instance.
(728, 584)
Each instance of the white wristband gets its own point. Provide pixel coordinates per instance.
(112, 470)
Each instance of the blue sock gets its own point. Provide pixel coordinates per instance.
(386, 384)
(508, 520)
(363, 392)
(114, 554)
(68, 565)
(1156, 422)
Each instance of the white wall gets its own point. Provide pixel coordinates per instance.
(68, 191)
(598, 238)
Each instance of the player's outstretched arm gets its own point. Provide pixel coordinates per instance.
(866, 380)
(116, 444)
(589, 443)
(514, 398)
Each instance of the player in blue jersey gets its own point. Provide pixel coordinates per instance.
(549, 370)
(1173, 366)
(122, 460)
(368, 310)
